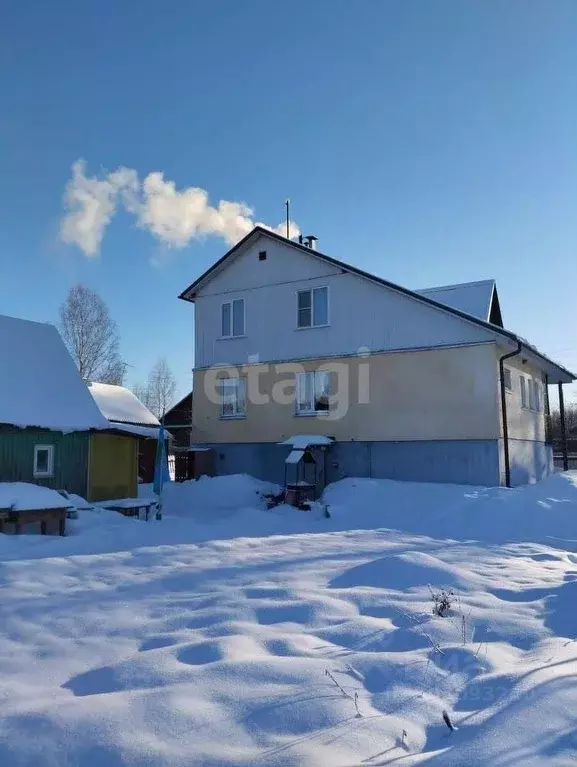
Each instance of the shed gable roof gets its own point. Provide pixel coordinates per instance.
(120, 405)
(39, 383)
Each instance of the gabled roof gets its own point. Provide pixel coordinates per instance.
(495, 325)
(185, 401)
(120, 405)
(476, 298)
(39, 382)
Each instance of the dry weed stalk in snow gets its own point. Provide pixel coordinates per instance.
(442, 601)
(448, 722)
(344, 692)
(354, 698)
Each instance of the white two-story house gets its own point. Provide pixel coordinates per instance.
(424, 386)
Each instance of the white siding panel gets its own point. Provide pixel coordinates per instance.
(283, 264)
(523, 423)
(361, 313)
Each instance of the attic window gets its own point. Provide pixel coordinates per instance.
(43, 461)
(262, 255)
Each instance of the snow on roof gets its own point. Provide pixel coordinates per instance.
(78, 501)
(119, 404)
(22, 496)
(40, 384)
(302, 441)
(150, 432)
(126, 503)
(294, 456)
(471, 297)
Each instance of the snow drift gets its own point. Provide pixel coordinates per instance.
(228, 634)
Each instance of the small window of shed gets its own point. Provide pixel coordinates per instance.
(43, 461)
(262, 255)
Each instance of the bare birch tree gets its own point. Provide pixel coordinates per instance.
(91, 336)
(158, 392)
(570, 421)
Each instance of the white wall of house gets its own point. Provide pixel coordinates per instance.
(524, 423)
(361, 313)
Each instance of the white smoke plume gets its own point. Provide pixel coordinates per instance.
(173, 217)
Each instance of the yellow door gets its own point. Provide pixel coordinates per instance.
(113, 467)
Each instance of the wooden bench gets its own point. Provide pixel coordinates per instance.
(131, 508)
(52, 521)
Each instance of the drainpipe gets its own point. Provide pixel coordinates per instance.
(563, 428)
(504, 413)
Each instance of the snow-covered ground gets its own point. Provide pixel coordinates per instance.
(206, 638)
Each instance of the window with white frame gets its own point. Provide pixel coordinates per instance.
(531, 397)
(232, 318)
(233, 398)
(313, 308)
(313, 391)
(537, 396)
(523, 384)
(43, 461)
(530, 394)
(507, 379)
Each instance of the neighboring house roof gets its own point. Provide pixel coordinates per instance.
(184, 403)
(476, 298)
(120, 405)
(552, 368)
(39, 383)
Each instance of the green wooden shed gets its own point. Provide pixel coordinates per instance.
(51, 430)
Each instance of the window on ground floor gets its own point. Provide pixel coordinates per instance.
(233, 398)
(313, 392)
(43, 460)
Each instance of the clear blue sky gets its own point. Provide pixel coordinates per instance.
(431, 141)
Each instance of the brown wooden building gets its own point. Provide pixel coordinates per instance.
(178, 421)
(189, 461)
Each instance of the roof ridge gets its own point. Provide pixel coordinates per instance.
(23, 319)
(455, 285)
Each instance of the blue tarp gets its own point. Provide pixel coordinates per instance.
(161, 473)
